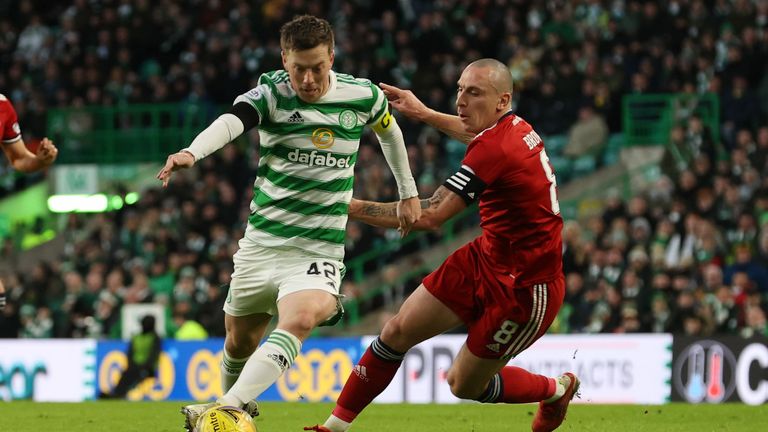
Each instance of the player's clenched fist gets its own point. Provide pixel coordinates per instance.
(408, 213)
(46, 152)
(175, 162)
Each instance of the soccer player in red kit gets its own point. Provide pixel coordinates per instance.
(17, 153)
(13, 145)
(506, 285)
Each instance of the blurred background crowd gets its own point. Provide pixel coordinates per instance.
(689, 256)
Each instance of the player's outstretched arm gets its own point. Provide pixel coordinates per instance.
(27, 162)
(435, 210)
(223, 130)
(409, 105)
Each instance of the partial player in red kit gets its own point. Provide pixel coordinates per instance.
(506, 285)
(20, 157)
(13, 145)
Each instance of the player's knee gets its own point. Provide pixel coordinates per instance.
(395, 335)
(301, 323)
(463, 388)
(239, 344)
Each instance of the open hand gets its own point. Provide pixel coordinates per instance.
(175, 162)
(405, 102)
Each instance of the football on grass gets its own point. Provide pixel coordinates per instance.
(225, 419)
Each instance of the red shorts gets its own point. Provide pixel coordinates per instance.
(503, 319)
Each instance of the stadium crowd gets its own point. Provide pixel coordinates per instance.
(690, 256)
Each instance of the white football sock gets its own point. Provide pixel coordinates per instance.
(230, 370)
(559, 390)
(264, 367)
(336, 424)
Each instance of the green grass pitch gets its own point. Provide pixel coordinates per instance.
(117, 416)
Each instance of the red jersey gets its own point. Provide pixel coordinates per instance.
(519, 211)
(9, 123)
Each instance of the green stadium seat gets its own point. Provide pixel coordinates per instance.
(563, 168)
(584, 165)
(554, 144)
(613, 149)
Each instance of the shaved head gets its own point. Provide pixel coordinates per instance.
(498, 74)
(483, 94)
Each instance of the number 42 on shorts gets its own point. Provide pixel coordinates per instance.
(329, 271)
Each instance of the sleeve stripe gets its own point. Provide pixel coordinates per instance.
(12, 140)
(462, 176)
(459, 180)
(454, 184)
(465, 184)
(468, 169)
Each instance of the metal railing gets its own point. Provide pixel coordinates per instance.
(649, 118)
(126, 133)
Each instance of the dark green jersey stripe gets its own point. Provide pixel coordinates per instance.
(379, 111)
(303, 185)
(330, 235)
(298, 206)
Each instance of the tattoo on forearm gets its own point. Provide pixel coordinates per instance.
(437, 197)
(379, 209)
(424, 204)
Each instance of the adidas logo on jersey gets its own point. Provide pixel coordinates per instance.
(493, 347)
(296, 118)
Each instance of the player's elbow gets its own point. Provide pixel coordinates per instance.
(430, 221)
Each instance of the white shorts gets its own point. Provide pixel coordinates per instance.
(264, 275)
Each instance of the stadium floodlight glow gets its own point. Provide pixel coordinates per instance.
(131, 198)
(96, 203)
(115, 202)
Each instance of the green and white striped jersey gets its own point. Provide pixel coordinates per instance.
(307, 158)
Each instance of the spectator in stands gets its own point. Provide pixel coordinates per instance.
(186, 327)
(588, 135)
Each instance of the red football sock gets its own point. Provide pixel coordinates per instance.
(516, 385)
(521, 386)
(369, 378)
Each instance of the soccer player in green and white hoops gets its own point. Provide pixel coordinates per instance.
(310, 120)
